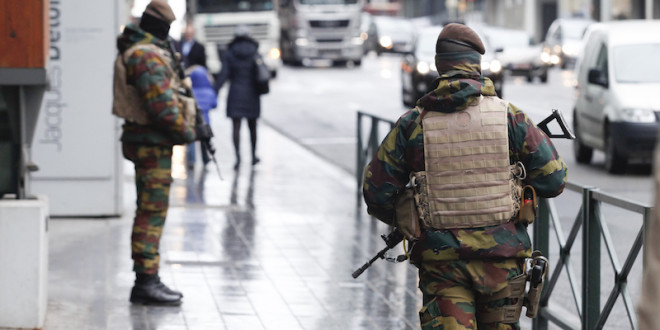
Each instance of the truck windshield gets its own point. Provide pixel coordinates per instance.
(637, 63)
(328, 2)
(229, 6)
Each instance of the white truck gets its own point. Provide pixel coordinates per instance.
(320, 29)
(216, 20)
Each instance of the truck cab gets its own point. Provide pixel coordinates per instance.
(320, 29)
(216, 21)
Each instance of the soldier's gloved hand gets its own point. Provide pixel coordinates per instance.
(203, 132)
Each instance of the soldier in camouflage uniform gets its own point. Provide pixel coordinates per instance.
(464, 272)
(149, 146)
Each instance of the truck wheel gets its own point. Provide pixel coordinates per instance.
(406, 98)
(614, 162)
(340, 63)
(583, 154)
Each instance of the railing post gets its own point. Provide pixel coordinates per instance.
(541, 229)
(360, 159)
(373, 139)
(590, 261)
(648, 214)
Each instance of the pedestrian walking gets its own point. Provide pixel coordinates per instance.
(193, 54)
(156, 119)
(192, 51)
(243, 100)
(460, 145)
(207, 100)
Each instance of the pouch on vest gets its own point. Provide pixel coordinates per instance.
(528, 206)
(406, 215)
(411, 207)
(126, 102)
(187, 105)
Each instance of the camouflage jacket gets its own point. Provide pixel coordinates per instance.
(149, 74)
(402, 152)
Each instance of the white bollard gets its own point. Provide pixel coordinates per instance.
(23, 262)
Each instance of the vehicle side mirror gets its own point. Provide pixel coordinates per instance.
(597, 77)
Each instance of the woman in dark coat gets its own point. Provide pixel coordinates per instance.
(243, 101)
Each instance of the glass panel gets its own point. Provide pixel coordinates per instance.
(637, 63)
(574, 29)
(426, 42)
(328, 2)
(601, 61)
(506, 39)
(229, 6)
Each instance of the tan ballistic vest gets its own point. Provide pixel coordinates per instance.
(468, 177)
(126, 101)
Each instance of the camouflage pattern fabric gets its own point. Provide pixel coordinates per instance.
(402, 152)
(459, 84)
(153, 177)
(454, 293)
(152, 78)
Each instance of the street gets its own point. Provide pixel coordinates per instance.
(317, 106)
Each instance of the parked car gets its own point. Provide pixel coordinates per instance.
(391, 34)
(519, 54)
(616, 109)
(563, 41)
(418, 69)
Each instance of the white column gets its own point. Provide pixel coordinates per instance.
(530, 18)
(23, 262)
(605, 10)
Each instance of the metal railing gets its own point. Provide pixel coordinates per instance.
(366, 151)
(586, 290)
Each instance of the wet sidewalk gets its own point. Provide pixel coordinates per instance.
(269, 247)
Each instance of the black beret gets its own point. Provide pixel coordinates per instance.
(459, 35)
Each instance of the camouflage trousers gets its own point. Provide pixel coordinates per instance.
(153, 177)
(456, 293)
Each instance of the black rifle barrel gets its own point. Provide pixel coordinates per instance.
(391, 240)
(364, 267)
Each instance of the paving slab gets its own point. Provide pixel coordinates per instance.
(270, 246)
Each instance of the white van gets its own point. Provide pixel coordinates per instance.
(617, 102)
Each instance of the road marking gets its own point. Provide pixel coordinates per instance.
(329, 140)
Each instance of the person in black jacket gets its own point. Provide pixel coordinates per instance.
(243, 101)
(192, 52)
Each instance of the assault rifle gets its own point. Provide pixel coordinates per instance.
(391, 240)
(202, 128)
(396, 236)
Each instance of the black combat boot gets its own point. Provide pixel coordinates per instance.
(149, 290)
(168, 290)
